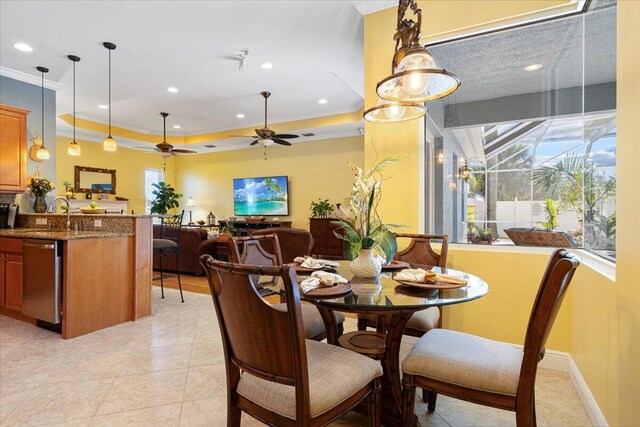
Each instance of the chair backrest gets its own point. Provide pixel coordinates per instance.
(555, 281)
(258, 338)
(420, 250)
(254, 253)
(170, 227)
(294, 242)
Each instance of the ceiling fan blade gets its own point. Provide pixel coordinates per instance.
(285, 136)
(255, 142)
(280, 141)
(145, 148)
(179, 150)
(243, 136)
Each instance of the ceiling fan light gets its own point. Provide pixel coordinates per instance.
(74, 148)
(109, 144)
(165, 154)
(43, 153)
(265, 142)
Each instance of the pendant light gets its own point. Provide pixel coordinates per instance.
(43, 153)
(394, 111)
(109, 143)
(415, 75)
(74, 147)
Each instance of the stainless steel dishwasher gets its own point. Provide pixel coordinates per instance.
(42, 275)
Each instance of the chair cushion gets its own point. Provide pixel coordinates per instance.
(465, 360)
(164, 244)
(424, 320)
(335, 374)
(313, 324)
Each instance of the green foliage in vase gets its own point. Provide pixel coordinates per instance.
(165, 198)
(321, 208)
(551, 213)
(39, 187)
(360, 223)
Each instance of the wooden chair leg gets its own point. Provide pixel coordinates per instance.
(526, 413)
(234, 416)
(340, 327)
(408, 399)
(362, 324)
(432, 396)
(425, 396)
(374, 405)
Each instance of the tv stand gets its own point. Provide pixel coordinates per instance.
(245, 227)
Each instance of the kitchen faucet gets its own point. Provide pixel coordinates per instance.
(68, 209)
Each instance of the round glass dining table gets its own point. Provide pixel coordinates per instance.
(393, 304)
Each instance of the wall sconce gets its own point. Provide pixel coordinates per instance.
(464, 172)
(440, 157)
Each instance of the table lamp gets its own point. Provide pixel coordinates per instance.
(191, 204)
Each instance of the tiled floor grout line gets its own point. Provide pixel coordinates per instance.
(184, 389)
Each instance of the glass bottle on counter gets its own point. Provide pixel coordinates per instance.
(211, 218)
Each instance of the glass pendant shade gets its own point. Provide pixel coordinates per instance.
(392, 111)
(73, 149)
(43, 153)
(109, 144)
(418, 79)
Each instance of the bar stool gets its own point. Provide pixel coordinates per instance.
(167, 244)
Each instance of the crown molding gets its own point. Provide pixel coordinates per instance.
(28, 78)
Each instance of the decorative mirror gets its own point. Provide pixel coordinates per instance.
(94, 180)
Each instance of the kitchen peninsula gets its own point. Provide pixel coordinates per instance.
(103, 274)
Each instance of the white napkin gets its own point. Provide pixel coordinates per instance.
(321, 279)
(417, 275)
(314, 263)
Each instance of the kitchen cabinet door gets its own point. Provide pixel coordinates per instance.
(13, 282)
(13, 149)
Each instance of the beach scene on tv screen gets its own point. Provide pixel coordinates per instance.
(260, 196)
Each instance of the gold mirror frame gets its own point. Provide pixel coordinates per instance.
(76, 180)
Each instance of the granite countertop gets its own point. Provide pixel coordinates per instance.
(46, 234)
(110, 215)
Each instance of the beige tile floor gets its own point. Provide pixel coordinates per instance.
(168, 370)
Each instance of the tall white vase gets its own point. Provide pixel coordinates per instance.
(365, 264)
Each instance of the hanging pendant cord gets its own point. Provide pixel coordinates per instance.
(265, 112)
(109, 93)
(42, 98)
(164, 126)
(74, 101)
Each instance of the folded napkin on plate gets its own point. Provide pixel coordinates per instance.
(419, 275)
(315, 263)
(320, 279)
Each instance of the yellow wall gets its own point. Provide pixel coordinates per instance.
(315, 169)
(129, 165)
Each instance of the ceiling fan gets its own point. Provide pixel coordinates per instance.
(265, 136)
(164, 148)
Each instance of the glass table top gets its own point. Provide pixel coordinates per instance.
(384, 293)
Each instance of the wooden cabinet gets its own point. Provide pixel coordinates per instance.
(13, 149)
(11, 274)
(325, 242)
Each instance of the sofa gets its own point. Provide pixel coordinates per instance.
(192, 243)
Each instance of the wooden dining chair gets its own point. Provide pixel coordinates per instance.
(254, 253)
(489, 372)
(167, 244)
(294, 242)
(419, 251)
(300, 382)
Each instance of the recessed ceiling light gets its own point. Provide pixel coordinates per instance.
(23, 47)
(104, 107)
(267, 65)
(177, 126)
(533, 67)
(322, 101)
(240, 116)
(173, 89)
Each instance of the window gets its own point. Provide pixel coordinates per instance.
(151, 176)
(540, 141)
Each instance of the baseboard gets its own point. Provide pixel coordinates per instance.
(561, 361)
(593, 410)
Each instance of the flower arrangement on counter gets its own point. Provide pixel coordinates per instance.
(358, 218)
(40, 187)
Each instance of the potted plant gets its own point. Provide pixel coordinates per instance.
(39, 187)
(68, 190)
(227, 231)
(165, 198)
(551, 213)
(481, 236)
(321, 208)
(361, 225)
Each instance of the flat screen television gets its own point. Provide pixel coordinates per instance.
(261, 196)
